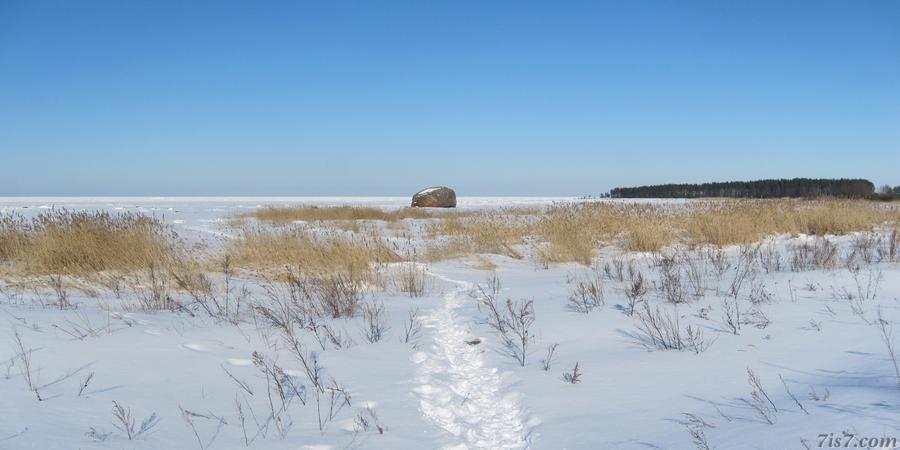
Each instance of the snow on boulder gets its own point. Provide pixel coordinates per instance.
(435, 197)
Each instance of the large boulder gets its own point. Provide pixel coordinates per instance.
(435, 197)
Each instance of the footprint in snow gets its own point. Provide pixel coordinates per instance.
(239, 362)
(207, 346)
(418, 357)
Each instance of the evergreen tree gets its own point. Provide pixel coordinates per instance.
(796, 187)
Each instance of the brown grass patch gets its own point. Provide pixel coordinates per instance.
(742, 222)
(483, 263)
(283, 215)
(488, 232)
(310, 251)
(78, 243)
(81, 243)
(572, 232)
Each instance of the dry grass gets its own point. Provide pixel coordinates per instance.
(489, 232)
(84, 243)
(742, 222)
(310, 251)
(79, 243)
(283, 215)
(572, 232)
(483, 263)
(410, 278)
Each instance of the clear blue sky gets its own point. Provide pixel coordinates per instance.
(379, 97)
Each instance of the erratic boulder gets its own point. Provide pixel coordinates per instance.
(435, 197)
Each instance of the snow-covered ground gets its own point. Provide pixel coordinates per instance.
(813, 335)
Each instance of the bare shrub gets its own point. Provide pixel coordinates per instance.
(854, 301)
(792, 396)
(889, 250)
(488, 298)
(330, 396)
(887, 336)
(242, 420)
(96, 435)
(153, 293)
(81, 330)
(29, 373)
(695, 427)
(815, 325)
(304, 297)
(670, 284)
(367, 419)
(190, 418)
(62, 295)
(338, 397)
(865, 246)
(325, 334)
(719, 261)
(587, 294)
(696, 421)
(10, 363)
(573, 377)
(759, 294)
(616, 271)
(770, 258)
(695, 340)
(550, 357)
(281, 390)
(699, 438)
(410, 278)
(866, 288)
(760, 401)
(744, 273)
(220, 301)
(661, 330)
(412, 327)
(821, 254)
(518, 319)
(125, 422)
(375, 322)
(818, 396)
(511, 321)
(695, 271)
(731, 315)
(635, 290)
(84, 383)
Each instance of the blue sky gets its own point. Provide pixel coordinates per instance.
(493, 98)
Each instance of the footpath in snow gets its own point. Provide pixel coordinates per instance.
(458, 392)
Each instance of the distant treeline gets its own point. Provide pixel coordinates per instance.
(797, 187)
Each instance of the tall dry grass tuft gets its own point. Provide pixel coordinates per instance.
(78, 243)
(282, 215)
(486, 232)
(648, 236)
(723, 223)
(321, 252)
(572, 232)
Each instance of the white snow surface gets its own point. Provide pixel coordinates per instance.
(438, 391)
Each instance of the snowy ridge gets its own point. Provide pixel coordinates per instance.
(458, 392)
